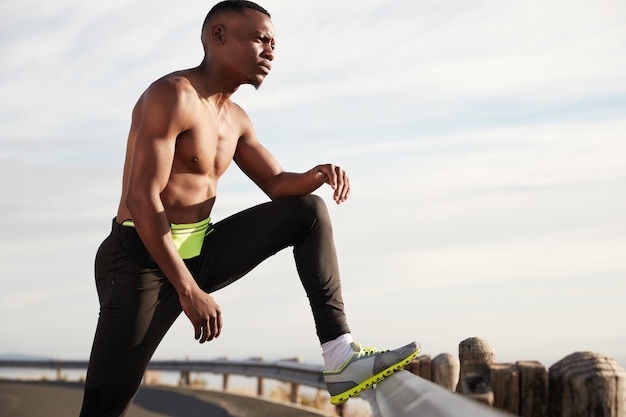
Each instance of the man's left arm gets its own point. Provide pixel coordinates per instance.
(261, 166)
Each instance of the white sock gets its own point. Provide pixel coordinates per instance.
(337, 351)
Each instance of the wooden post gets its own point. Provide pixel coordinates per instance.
(185, 378)
(445, 370)
(413, 367)
(587, 384)
(225, 379)
(260, 391)
(533, 389)
(475, 356)
(295, 392)
(505, 386)
(426, 367)
(421, 366)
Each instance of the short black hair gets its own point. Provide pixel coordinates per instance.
(233, 6)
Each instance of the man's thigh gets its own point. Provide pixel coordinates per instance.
(240, 242)
(137, 307)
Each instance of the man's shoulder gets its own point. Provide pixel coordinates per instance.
(241, 116)
(236, 108)
(172, 88)
(176, 81)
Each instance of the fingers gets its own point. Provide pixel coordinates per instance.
(205, 315)
(197, 331)
(210, 328)
(342, 187)
(337, 178)
(204, 333)
(214, 326)
(219, 324)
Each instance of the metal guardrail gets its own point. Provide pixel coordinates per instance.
(403, 394)
(286, 371)
(406, 395)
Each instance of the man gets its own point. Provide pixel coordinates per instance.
(164, 256)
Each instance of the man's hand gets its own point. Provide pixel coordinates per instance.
(337, 178)
(204, 313)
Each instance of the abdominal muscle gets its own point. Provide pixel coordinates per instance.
(188, 198)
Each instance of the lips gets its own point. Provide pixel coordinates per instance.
(266, 66)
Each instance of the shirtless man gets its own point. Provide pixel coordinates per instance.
(164, 256)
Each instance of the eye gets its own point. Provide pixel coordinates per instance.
(267, 40)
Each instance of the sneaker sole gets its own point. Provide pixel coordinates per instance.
(368, 383)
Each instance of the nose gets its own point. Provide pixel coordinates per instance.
(268, 52)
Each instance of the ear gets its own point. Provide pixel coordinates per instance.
(218, 32)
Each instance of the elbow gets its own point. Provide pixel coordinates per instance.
(280, 189)
(273, 194)
(274, 189)
(279, 193)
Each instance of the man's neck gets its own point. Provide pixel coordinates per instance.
(212, 81)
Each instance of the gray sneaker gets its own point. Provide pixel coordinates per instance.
(365, 368)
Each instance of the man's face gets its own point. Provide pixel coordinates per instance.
(250, 46)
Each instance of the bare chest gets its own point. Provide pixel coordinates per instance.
(207, 148)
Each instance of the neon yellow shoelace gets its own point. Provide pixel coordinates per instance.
(365, 351)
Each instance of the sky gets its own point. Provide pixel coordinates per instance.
(485, 143)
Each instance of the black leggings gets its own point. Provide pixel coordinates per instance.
(138, 304)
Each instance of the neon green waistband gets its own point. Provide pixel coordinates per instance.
(188, 238)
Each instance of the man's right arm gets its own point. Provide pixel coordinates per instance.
(261, 166)
(161, 118)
